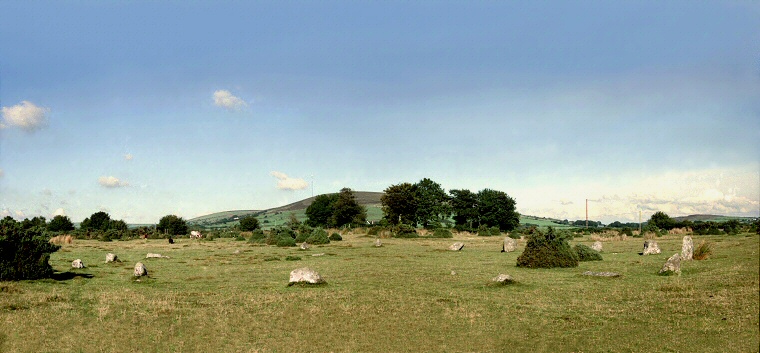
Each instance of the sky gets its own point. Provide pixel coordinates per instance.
(143, 109)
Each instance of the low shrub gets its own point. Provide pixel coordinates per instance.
(586, 253)
(317, 237)
(441, 233)
(703, 250)
(239, 238)
(495, 230)
(257, 236)
(405, 231)
(24, 253)
(374, 230)
(335, 237)
(547, 251)
(292, 258)
(286, 242)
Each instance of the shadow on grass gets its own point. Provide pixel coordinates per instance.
(65, 276)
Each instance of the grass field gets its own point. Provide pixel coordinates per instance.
(401, 297)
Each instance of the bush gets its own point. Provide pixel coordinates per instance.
(374, 230)
(239, 238)
(495, 231)
(24, 254)
(404, 231)
(335, 237)
(703, 250)
(257, 236)
(547, 251)
(286, 242)
(303, 235)
(317, 237)
(292, 258)
(586, 253)
(441, 233)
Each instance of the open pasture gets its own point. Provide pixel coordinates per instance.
(411, 295)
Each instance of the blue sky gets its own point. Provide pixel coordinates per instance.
(144, 109)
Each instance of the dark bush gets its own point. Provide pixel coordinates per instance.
(239, 238)
(404, 231)
(286, 241)
(318, 236)
(335, 237)
(441, 233)
(374, 230)
(547, 251)
(24, 254)
(292, 258)
(495, 231)
(257, 236)
(586, 253)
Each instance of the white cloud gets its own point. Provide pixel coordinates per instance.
(128, 156)
(59, 212)
(287, 183)
(26, 115)
(111, 182)
(225, 99)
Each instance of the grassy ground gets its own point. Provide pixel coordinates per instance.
(401, 297)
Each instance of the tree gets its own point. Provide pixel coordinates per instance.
(399, 204)
(34, 222)
(60, 223)
(118, 225)
(661, 220)
(24, 253)
(321, 210)
(249, 223)
(464, 205)
(433, 206)
(346, 210)
(497, 209)
(172, 225)
(97, 221)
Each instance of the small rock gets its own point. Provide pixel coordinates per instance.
(687, 249)
(651, 248)
(453, 273)
(601, 274)
(456, 246)
(112, 258)
(304, 246)
(140, 270)
(509, 245)
(237, 251)
(597, 246)
(155, 256)
(320, 254)
(673, 265)
(378, 243)
(503, 279)
(77, 263)
(305, 275)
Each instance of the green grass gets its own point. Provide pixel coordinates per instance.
(401, 297)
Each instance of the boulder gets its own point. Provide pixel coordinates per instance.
(111, 258)
(77, 263)
(140, 270)
(305, 275)
(155, 256)
(687, 249)
(597, 246)
(509, 245)
(601, 274)
(672, 266)
(304, 246)
(503, 279)
(456, 246)
(651, 248)
(378, 243)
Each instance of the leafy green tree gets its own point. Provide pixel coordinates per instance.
(433, 206)
(34, 222)
(118, 225)
(497, 209)
(464, 204)
(60, 223)
(320, 212)
(399, 204)
(97, 221)
(249, 223)
(172, 225)
(346, 210)
(661, 220)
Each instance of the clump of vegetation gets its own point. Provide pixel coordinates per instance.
(24, 253)
(374, 230)
(335, 237)
(404, 231)
(703, 250)
(286, 242)
(271, 258)
(240, 237)
(586, 253)
(257, 236)
(441, 233)
(547, 251)
(292, 258)
(317, 237)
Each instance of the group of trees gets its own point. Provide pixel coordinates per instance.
(336, 210)
(426, 204)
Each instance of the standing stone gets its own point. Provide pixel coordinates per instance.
(304, 246)
(651, 248)
(503, 279)
(597, 246)
(155, 256)
(378, 243)
(140, 270)
(77, 263)
(687, 249)
(305, 275)
(509, 245)
(456, 246)
(673, 265)
(111, 257)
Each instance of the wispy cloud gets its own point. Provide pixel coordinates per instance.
(225, 99)
(26, 116)
(284, 182)
(111, 182)
(128, 157)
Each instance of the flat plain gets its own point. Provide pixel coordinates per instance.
(410, 295)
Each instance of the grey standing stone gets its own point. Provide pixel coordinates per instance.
(304, 246)
(503, 279)
(651, 248)
(597, 246)
(140, 270)
(687, 249)
(456, 246)
(111, 257)
(155, 256)
(378, 243)
(77, 263)
(305, 275)
(673, 265)
(509, 245)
